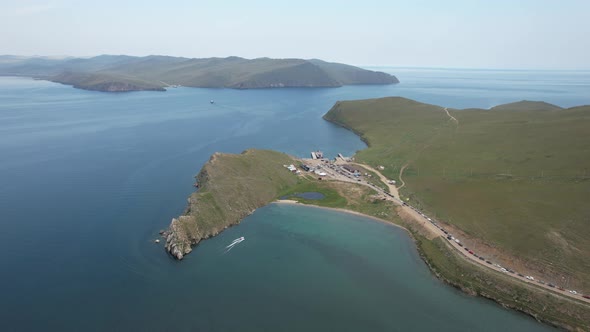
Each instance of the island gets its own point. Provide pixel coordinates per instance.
(463, 183)
(120, 73)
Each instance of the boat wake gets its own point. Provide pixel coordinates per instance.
(233, 244)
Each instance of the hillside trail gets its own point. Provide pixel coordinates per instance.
(451, 117)
(401, 172)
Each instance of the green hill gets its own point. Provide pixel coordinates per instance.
(526, 105)
(127, 73)
(516, 176)
(106, 83)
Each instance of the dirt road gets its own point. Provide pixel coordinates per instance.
(451, 117)
(334, 172)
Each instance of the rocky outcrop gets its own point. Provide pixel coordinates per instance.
(176, 244)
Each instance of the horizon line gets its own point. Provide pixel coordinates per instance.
(435, 67)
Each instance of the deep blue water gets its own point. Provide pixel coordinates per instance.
(87, 179)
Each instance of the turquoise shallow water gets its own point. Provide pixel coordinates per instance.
(304, 268)
(87, 179)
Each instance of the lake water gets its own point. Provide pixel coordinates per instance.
(87, 180)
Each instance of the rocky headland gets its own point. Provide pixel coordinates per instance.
(230, 188)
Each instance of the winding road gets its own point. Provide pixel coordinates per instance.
(434, 228)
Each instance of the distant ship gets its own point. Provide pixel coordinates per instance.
(211, 101)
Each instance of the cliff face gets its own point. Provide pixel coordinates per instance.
(231, 188)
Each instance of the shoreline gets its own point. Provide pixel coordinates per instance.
(360, 214)
(433, 270)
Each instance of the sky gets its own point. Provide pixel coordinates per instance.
(510, 34)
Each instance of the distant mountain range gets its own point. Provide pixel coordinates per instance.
(115, 73)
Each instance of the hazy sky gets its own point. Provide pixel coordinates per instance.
(545, 34)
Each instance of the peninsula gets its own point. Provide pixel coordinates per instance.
(118, 73)
(230, 188)
(400, 134)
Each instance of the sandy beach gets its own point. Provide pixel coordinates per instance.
(294, 202)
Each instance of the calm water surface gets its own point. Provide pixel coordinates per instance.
(87, 179)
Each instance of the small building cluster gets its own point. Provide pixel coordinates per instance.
(292, 169)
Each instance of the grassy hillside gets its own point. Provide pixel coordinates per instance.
(104, 82)
(156, 72)
(231, 187)
(516, 176)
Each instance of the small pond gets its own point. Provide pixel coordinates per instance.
(306, 195)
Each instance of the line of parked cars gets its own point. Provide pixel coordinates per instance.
(451, 238)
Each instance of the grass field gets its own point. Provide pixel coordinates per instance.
(343, 195)
(516, 176)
